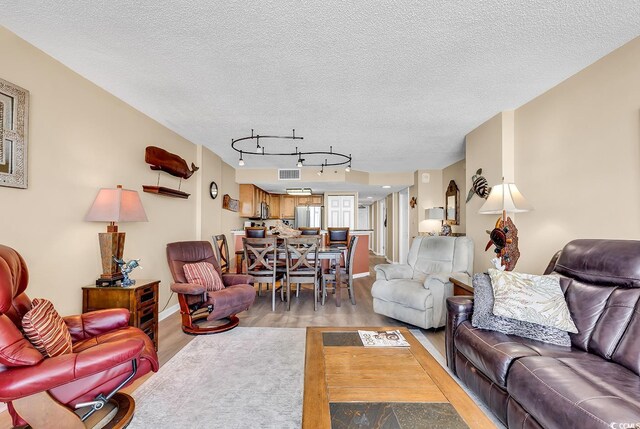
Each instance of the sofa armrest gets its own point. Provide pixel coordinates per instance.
(94, 323)
(393, 271)
(459, 309)
(436, 280)
(57, 371)
(188, 288)
(237, 279)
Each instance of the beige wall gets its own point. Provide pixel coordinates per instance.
(214, 219)
(577, 158)
(457, 173)
(483, 150)
(429, 195)
(576, 152)
(82, 138)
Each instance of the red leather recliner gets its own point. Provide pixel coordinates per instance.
(43, 392)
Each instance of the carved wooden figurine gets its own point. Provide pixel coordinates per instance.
(168, 162)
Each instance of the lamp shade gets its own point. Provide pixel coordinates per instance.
(116, 205)
(507, 197)
(436, 213)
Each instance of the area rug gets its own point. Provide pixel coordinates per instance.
(243, 378)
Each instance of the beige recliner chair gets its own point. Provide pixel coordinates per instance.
(416, 292)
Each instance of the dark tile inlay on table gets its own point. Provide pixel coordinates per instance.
(394, 415)
(349, 339)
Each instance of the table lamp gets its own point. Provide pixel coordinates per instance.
(114, 205)
(505, 198)
(437, 213)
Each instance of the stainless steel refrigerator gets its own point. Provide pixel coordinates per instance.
(308, 216)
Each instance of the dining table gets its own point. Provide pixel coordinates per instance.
(330, 253)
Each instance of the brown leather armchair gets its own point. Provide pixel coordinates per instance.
(196, 303)
(43, 391)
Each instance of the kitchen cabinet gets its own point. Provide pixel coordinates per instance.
(280, 206)
(247, 201)
(274, 206)
(310, 200)
(250, 198)
(287, 206)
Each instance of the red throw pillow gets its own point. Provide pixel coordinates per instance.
(46, 330)
(203, 273)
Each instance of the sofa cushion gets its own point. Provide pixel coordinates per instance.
(46, 330)
(406, 292)
(530, 298)
(483, 317)
(203, 273)
(569, 392)
(493, 352)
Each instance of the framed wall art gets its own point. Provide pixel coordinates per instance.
(14, 115)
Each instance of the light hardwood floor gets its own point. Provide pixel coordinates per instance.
(171, 339)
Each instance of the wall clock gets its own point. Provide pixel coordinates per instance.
(213, 190)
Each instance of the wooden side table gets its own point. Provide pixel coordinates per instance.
(461, 285)
(140, 299)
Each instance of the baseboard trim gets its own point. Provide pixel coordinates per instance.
(359, 275)
(168, 312)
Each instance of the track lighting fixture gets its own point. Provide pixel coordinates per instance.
(303, 158)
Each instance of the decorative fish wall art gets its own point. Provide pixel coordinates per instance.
(479, 186)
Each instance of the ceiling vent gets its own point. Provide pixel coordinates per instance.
(288, 174)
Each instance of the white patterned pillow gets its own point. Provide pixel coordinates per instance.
(530, 298)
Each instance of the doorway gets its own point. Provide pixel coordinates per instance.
(382, 226)
(403, 225)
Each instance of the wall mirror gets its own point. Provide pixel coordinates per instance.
(452, 198)
(14, 110)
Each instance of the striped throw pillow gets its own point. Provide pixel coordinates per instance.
(203, 273)
(46, 330)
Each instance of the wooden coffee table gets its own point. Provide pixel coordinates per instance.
(346, 383)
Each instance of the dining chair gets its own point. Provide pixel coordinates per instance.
(221, 249)
(346, 273)
(302, 265)
(255, 232)
(260, 255)
(305, 230)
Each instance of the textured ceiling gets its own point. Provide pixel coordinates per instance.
(396, 83)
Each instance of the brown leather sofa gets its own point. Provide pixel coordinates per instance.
(595, 383)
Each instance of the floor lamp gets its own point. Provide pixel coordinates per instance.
(114, 205)
(505, 198)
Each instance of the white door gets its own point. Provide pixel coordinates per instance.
(403, 225)
(363, 218)
(341, 211)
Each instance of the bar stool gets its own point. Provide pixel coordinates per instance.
(304, 230)
(255, 232)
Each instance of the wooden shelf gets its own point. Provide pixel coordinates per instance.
(164, 191)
